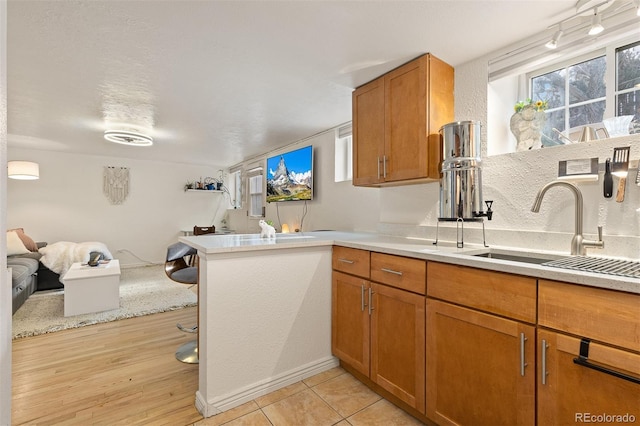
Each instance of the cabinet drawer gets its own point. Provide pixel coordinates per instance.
(352, 261)
(508, 295)
(596, 313)
(401, 272)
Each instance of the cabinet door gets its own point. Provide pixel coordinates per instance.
(350, 321)
(368, 133)
(569, 393)
(406, 149)
(480, 368)
(397, 344)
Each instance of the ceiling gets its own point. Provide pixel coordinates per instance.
(216, 82)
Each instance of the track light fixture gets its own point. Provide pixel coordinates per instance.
(596, 23)
(553, 43)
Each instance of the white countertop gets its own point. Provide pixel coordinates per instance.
(416, 248)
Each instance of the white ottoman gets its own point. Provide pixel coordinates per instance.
(91, 288)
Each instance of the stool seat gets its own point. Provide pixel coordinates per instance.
(187, 275)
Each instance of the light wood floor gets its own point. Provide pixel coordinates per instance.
(121, 372)
(125, 373)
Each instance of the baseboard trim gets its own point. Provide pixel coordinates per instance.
(251, 392)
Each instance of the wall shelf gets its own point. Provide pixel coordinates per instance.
(205, 190)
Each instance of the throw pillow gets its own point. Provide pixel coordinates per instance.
(14, 244)
(26, 240)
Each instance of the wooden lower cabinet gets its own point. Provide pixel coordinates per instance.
(350, 321)
(480, 368)
(569, 393)
(398, 344)
(380, 331)
(484, 347)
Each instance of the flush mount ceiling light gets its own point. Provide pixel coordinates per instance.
(23, 170)
(596, 23)
(126, 137)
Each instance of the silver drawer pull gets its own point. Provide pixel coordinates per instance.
(370, 300)
(346, 261)
(544, 373)
(391, 271)
(523, 363)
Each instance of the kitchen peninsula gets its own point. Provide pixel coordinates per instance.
(264, 315)
(265, 304)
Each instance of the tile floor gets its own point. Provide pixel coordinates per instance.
(333, 397)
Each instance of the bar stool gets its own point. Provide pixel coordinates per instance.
(179, 270)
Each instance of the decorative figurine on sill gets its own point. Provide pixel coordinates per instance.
(527, 123)
(268, 231)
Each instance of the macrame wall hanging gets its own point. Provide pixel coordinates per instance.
(116, 184)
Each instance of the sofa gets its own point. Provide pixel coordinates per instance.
(28, 274)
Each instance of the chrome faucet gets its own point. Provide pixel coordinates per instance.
(578, 243)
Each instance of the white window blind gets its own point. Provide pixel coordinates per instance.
(343, 153)
(255, 194)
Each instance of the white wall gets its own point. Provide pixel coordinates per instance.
(512, 181)
(67, 203)
(5, 286)
(335, 205)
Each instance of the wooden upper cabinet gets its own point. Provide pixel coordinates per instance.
(396, 119)
(368, 133)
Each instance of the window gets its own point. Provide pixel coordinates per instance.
(235, 189)
(627, 93)
(343, 154)
(256, 205)
(577, 94)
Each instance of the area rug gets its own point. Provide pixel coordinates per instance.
(143, 291)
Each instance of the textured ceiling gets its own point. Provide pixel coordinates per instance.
(215, 82)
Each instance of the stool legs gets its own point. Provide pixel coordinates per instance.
(193, 329)
(188, 353)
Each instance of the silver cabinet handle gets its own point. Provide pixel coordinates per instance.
(391, 271)
(384, 166)
(543, 371)
(370, 300)
(523, 364)
(346, 261)
(362, 304)
(378, 167)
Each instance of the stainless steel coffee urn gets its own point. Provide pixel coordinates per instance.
(461, 182)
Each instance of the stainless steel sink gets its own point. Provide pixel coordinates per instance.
(512, 258)
(515, 256)
(599, 265)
